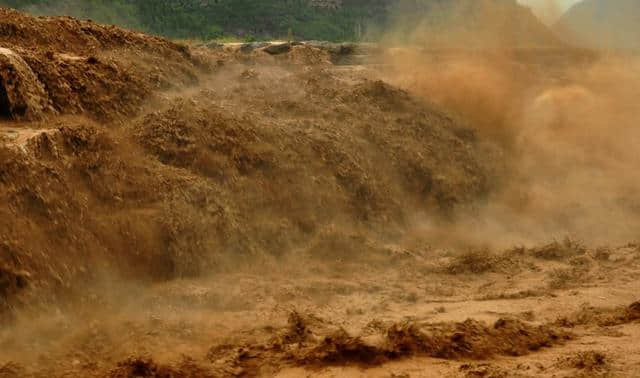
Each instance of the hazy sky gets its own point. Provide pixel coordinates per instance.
(549, 10)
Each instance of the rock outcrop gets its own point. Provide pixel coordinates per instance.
(22, 95)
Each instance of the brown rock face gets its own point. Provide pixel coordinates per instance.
(22, 95)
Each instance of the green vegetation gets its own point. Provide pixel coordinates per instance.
(336, 20)
(119, 12)
(219, 19)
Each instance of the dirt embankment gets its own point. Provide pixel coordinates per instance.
(80, 67)
(256, 161)
(164, 210)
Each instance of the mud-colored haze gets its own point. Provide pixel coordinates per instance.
(565, 119)
(549, 11)
(457, 200)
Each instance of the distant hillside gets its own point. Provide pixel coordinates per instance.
(211, 19)
(602, 23)
(474, 23)
(500, 21)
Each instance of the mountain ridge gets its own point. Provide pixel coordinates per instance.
(602, 24)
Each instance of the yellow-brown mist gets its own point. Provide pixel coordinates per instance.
(565, 119)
